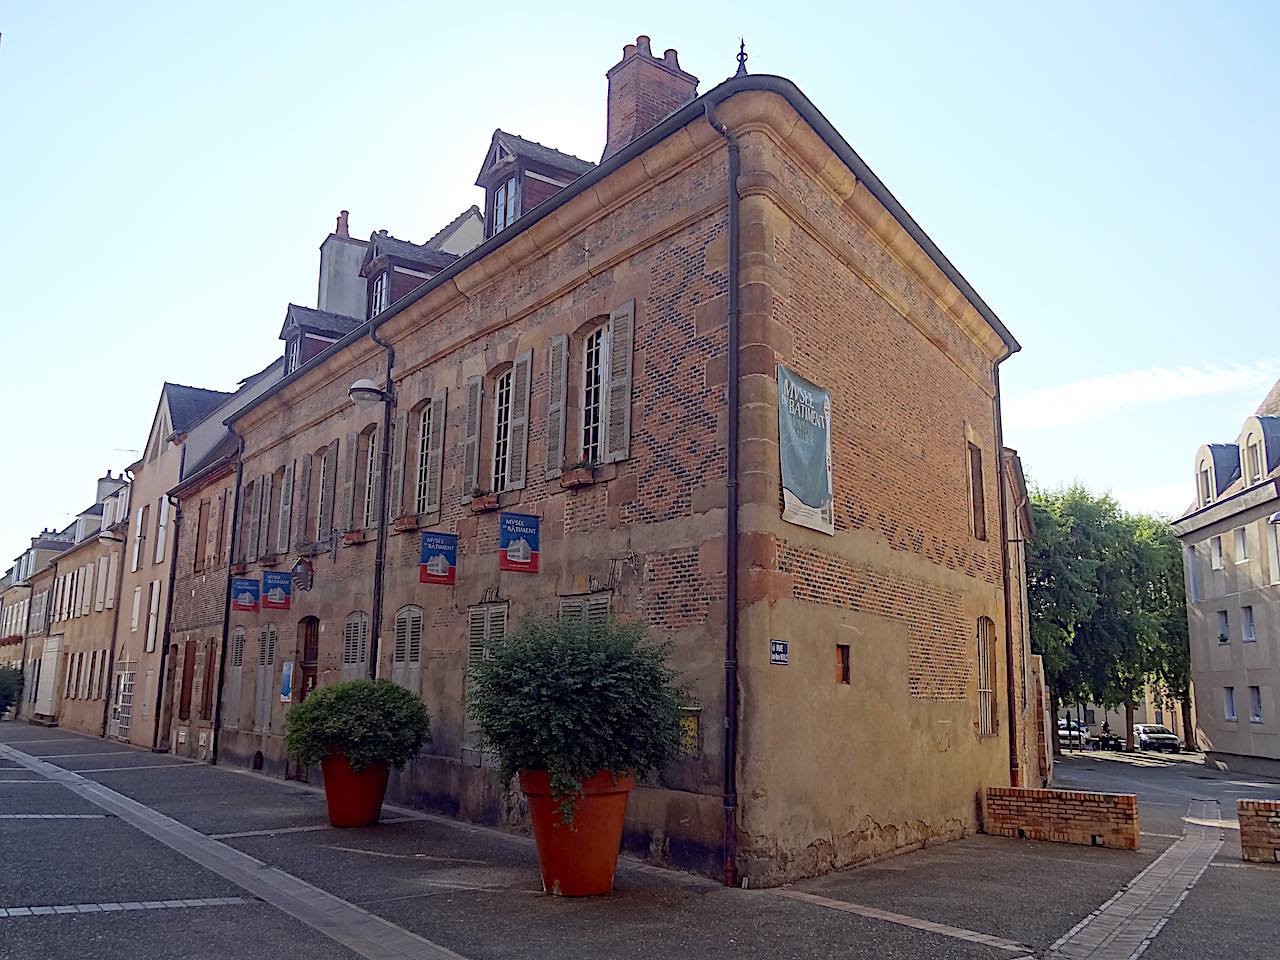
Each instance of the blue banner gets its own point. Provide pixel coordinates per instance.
(438, 558)
(804, 448)
(244, 594)
(518, 541)
(277, 590)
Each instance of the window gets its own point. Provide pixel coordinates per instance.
(1193, 574)
(592, 607)
(1241, 544)
(1206, 486)
(595, 366)
(140, 536)
(842, 663)
(234, 678)
(501, 431)
(406, 659)
(986, 677)
(137, 609)
(486, 624)
(378, 298)
(1255, 462)
(291, 355)
(153, 615)
(1247, 633)
(1229, 703)
(202, 536)
(1255, 704)
(355, 646)
(207, 682)
(324, 479)
(1224, 627)
(420, 491)
(1215, 553)
(372, 461)
(265, 693)
(504, 205)
(976, 493)
(162, 523)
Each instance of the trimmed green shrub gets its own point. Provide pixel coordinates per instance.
(369, 721)
(10, 687)
(574, 698)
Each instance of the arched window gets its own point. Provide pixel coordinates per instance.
(407, 658)
(986, 677)
(308, 656)
(235, 673)
(355, 646)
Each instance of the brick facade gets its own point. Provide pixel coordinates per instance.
(1259, 830)
(1063, 816)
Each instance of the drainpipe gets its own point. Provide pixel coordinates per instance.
(115, 621)
(1015, 770)
(384, 482)
(172, 548)
(730, 775)
(226, 600)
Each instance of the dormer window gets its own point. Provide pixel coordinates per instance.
(1206, 486)
(291, 354)
(1255, 461)
(378, 297)
(504, 209)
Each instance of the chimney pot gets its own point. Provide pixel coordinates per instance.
(671, 58)
(341, 229)
(642, 44)
(628, 51)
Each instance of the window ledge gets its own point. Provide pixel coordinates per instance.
(238, 568)
(405, 524)
(353, 537)
(577, 477)
(269, 560)
(1257, 720)
(485, 504)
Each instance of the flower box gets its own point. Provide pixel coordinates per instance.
(484, 504)
(352, 537)
(238, 568)
(577, 477)
(406, 524)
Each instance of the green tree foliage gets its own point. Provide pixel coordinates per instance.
(10, 687)
(369, 721)
(1105, 590)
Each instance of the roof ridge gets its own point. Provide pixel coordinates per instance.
(186, 386)
(535, 143)
(432, 240)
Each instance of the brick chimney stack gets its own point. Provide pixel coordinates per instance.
(341, 229)
(643, 91)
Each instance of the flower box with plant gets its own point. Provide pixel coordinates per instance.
(577, 710)
(580, 474)
(483, 500)
(405, 524)
(357, 731)
(352, 537)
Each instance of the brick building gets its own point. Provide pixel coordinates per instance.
(561, 399)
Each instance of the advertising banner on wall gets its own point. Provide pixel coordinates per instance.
(804, 447)
(438, 558)
(518, 536)
(244, 594)
(286, 682)
(277, 590)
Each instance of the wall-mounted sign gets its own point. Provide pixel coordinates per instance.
(804, 447)
(779, 652)
(438, 558)
(286, 682)
(303, 574)
(277, 590)
(518, 542)
(244, 594)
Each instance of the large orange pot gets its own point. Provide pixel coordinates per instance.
(578, 860)
(354, 799)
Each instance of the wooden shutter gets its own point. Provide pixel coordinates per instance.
(395, 489)
(304, 499)
(112, 573)
(330, 490)
(374, 479)
(100, 594)
(557, 391)
(188, 679)
(598, 607)
(407, 657)
(573, 608)
(617, 440)
(249, 532)
(86, 598)
(347, 517)
(518, 436)
(286, 509)
(435, 451)
(207, 683)
(977, 492)
(235, 674)
(264, 514)
(471, 438)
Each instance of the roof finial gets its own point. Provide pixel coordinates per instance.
(742, 58)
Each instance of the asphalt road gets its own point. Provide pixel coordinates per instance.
(251, 869)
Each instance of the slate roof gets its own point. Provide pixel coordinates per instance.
(383, 244)
(538, 153)
(189, 405)
(1270, 405)
(321, 321)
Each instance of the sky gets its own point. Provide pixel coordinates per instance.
(1102, 174)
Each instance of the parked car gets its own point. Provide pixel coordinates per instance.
(1072, 735)
(1154, 736)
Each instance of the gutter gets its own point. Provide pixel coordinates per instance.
(730, 752)
(380, 549)
(1015, 768)
(226, 600)
(762, 83)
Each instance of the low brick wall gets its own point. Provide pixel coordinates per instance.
(1063, 816)
(1259, 830)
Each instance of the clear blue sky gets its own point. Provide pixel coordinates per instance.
(1104, 175)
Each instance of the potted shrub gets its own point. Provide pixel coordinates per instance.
(10, 686)
(483, 500)
(577, 710)
(357, 731)
(580, 474)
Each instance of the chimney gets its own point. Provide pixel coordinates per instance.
(341, 229)
(107, 486)
(643, 91)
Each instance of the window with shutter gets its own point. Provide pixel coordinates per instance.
(306, 524)
(265, 483)
(235, 674)
(595, 374)
(422, 460)
(355, 646)
(112, 573)
(617, 440)
(518, 425)
(199, 548)
(162, 529)
(137, 607)
(501, 431)
(372, 465)
(347, 511)
(265, 692)
(285, 520)
(557, 394)
(486, 624)
(153, 615)
(471, 439)
(435, 456)
(395, 484)
(592, 607)
(986, 677)
(406, 658)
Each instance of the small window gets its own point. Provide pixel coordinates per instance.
(1247, 632)
(1241, 544)
(1206, 487)
(977, 493)
(1224, 627)
(842, 663)
(421, 490)
(986, 677)
(378, 297)
(1255, 704)
(369, 511)
(292, 353)
(595, 367)
(501, 431)
(1215, 553)
(1229, 703)
(1090, 717)
(1255, 462)
(504, 206)
(1159, 717)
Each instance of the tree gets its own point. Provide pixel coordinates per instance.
(10, 688)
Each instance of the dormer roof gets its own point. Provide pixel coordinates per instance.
(507, 148)
(1226, 465)
(309, 319)
(384, 247)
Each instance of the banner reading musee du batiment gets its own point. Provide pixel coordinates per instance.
(804, 446)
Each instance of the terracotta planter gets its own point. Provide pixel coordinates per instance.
(405, 524)
(351, 538)
(354, 799)
(578, 861)
(577, 477)
(484, 504)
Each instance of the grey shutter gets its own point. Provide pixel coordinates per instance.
(286, 509)
(573, 608)
(347, 516)
(557, 390)
(251, 534)
(330, 491)
(210, 546)
(617, 440)
(376, 440)
(471, 438)
(597, 607)
(518, 438)
(264, 515)
(304, 498)
(395, 491)
(435, 451)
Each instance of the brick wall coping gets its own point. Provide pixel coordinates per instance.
(1036, 793)
(1270, 806)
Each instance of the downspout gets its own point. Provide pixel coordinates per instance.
(380, 548)
(115, 622)
(730, 774)
(172, 547)
(1015, 769)
(226, 600)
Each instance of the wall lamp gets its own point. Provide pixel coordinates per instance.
(365, 393)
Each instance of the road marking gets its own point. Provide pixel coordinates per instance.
(81, 908)
(307, 829)
(53, 816)
(365, 933)
(407, 856)
(141, 766)
(1124, 926)
(957, 933)
(88, 753)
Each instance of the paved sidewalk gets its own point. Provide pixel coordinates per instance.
(217, 862)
